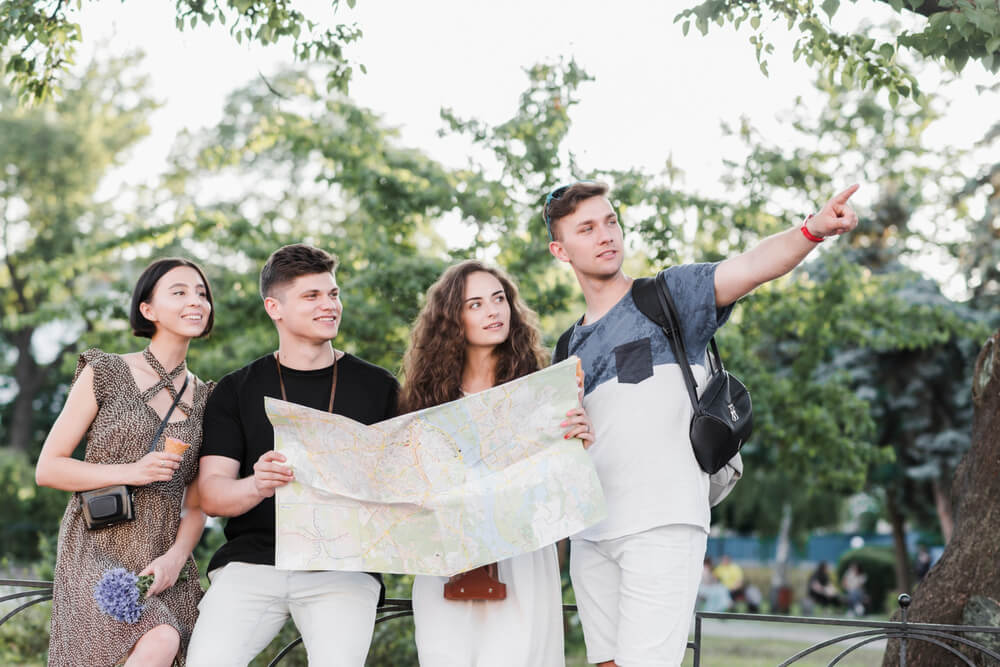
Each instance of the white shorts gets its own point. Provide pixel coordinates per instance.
(247, 604)
(636, 594)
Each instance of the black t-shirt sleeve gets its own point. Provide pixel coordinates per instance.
(222, 428)
(392, 400)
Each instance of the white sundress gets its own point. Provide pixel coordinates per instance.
(523, 630)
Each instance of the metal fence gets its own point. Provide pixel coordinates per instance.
(857, 633)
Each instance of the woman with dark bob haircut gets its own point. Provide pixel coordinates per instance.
(143, 428)
(474, 333)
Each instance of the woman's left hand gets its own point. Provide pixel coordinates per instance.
(165, 571)
(578, 425)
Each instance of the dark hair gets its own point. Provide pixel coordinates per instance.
(435, 358)
(143, 292)
(564, 201)
(291, 261)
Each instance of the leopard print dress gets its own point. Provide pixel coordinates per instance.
(82, 635)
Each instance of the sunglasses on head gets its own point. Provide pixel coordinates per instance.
(557, 194)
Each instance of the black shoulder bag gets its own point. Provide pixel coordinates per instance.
(114, 504)
(722, 418)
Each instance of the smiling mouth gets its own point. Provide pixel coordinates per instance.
(329, 318)
(495, 325)
(192, 318)
(607, 253)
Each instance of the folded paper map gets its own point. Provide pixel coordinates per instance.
(439, 491)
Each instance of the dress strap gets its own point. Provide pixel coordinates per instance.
(166, 380)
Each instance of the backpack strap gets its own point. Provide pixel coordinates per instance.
(667, 307)
(648, 302)
(562, 345)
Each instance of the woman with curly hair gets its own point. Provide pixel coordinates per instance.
(474, 333)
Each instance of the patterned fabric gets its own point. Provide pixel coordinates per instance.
(120, 433)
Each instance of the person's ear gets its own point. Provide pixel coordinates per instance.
(146, 311)
(273, 308)
(558, 251)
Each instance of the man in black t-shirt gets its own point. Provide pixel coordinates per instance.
(249, 600)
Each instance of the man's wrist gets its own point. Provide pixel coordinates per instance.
(810, 234)
(255, 492)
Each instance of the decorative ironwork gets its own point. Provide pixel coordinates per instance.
(40, 591)
(868, 632)
(863, 633)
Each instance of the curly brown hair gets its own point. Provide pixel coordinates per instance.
(435, 358)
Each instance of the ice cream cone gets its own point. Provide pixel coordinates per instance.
(175, 446)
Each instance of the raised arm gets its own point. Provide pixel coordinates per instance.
(778, 254)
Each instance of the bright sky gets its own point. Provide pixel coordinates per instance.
(657, 94)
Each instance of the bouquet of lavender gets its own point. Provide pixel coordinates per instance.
(119, 593)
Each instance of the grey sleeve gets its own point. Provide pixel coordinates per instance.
(692, 287)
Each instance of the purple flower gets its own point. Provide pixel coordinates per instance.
(117, 595)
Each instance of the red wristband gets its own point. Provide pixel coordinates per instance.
(809, 235)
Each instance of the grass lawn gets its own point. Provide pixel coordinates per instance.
(723, 652)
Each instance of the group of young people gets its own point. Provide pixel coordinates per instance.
(635, 574)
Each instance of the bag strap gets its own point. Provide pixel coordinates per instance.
(648, 302)
(166, 418)
(676, 341)
(562, 345)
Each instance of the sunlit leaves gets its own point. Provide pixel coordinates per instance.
(40, 36)
(953, 34)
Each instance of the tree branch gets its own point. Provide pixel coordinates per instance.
(928, 8)
(55, 12)
(269, 86)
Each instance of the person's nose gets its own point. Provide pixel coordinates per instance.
(604, 235)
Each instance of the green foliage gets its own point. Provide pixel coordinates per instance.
(28, 508)
(24, 639)
(502, 202)
(393, 643)
(858, 330)
(953, 33)
(979, 257)
(58, 260)
(41, 36)
(319, 171)
(879, 564)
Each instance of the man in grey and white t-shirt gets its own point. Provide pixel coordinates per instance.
(636, 573)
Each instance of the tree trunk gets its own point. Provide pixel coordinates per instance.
(29, 376)
(904, 576)
(969, 564)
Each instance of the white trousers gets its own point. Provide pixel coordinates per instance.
(247, 604)
(636, 594)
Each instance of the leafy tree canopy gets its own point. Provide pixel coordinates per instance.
(954, 32)
(40, 36)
